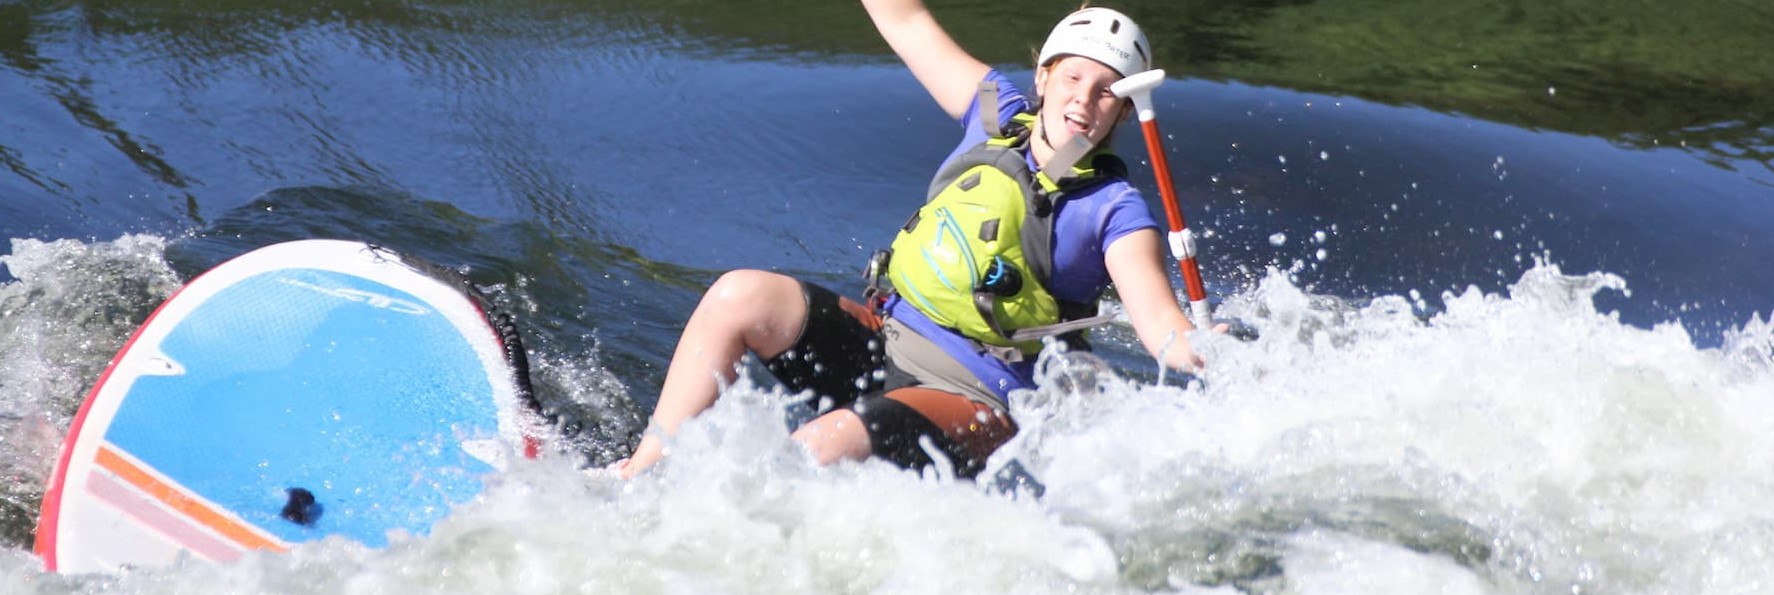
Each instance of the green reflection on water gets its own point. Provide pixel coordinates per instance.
(1639, 72)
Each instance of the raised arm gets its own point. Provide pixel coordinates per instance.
(948, 73)
(1136, 266)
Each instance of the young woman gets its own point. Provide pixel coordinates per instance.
(887, 376)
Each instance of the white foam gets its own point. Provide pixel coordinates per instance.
(1513, 443)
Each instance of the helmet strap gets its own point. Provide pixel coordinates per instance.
(1040, 100)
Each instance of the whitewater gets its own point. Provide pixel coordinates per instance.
(1513, 442)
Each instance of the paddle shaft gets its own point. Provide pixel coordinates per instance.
(1182, 241)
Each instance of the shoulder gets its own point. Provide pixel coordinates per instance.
(1114, 207)
(1114, 191)
(973, 131)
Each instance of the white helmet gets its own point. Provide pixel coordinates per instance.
(1101, 34)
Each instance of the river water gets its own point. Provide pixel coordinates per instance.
(1507, 265)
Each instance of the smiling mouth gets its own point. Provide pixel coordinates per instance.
(1076, 124)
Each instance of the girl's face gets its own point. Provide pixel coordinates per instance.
(1076, 101)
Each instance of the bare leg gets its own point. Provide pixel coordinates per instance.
(835, 436)
(745, 310)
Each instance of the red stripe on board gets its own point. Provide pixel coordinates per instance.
(138, 506)
(177, 499)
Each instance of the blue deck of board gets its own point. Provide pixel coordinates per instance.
(301, 378)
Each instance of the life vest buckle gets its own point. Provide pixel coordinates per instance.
(874, 292)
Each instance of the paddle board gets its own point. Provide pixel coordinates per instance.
(303, 390)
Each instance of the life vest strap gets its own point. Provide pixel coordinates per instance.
(983, 301)
(1060, 328)
(988, 100)
(1059, 166)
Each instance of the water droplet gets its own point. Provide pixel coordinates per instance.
(1277, 239)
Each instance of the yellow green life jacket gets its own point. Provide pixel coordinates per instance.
(978, 256)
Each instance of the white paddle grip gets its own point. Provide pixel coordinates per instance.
(1139, 87)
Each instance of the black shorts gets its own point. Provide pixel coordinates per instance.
(841, 358)
(840, 355)
(906, 423)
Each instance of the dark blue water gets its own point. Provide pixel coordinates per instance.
(596, 165)
(598, 132)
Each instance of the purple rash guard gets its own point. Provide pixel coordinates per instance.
(1084, 227)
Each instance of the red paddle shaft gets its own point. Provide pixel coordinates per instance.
(1182, 241)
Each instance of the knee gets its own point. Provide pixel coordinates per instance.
(835, 436)
(764, 310)
(749, 288)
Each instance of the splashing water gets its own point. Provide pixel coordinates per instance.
(1528, 439)
(1518, 443)
(73, 306)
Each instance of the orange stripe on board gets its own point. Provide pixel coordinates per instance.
(175, 498)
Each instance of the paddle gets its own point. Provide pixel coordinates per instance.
(1182, 240)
